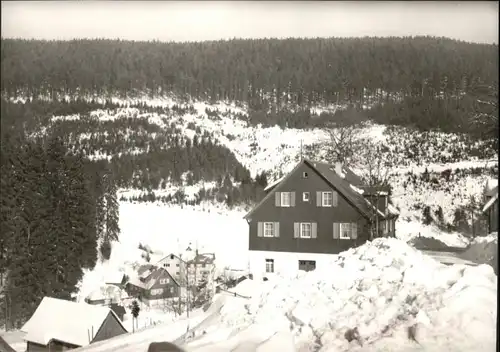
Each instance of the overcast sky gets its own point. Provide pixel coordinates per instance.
(196, 21)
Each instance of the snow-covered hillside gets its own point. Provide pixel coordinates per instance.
(458, 167)
(381, 288)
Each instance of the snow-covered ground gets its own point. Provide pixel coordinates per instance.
(171, 229)
(381, 288)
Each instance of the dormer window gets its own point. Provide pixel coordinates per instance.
(304, 174)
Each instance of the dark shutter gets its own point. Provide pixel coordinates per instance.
(260, 229)
(354, 230)
(292, 199)
(318, 199)
(276, 229)
(296, 230)
(277, 197)
(336, 230)
(335, 199)
(314, 230)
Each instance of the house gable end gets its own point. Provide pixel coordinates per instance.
(110, 327)
(275, 189)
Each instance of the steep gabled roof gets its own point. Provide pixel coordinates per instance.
(342, 184)
(169, 255)
(66, 321)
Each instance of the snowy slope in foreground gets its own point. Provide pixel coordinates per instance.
(381, 288)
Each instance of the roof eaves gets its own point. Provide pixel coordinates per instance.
(344, 190)
(490, 202)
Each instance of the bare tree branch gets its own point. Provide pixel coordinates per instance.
(344, 144)
(376, 178)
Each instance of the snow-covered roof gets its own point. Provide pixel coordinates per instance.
(274, 183)
(203, 258)
(114, 277)
(65, 321)
(134, 280)
(107, 292)
(490, 202)
(146, 273)
(356, 189)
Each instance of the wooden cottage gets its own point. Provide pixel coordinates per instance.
(59, 325)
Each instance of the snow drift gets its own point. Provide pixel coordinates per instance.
(381, 288)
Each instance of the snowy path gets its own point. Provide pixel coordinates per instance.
(448, 258)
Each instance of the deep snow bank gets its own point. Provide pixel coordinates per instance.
(381, 288)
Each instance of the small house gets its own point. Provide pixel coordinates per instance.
(59, 325)
(175, 265)
(201, 266)
(116, 278)
(159, 284)
(106, 294)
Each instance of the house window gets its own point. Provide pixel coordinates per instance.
(163, 281)
(304, 174)
(305, 196)
(327, 199)
(268, 229)
(167, 265)
(307, 265)
(348, 231)
(156, 292)
(285, 199)
(305, 230)
(269, 265)
(177, 265)
(203, 265)
(171, 290)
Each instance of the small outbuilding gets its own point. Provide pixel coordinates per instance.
(59, 325)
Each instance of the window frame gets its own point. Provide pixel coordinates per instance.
(323, 199)
(305, 174)
(302, 227)
(264, 233)
(269, 263)
(341, 232)
(304, 194)
(163, 281)
(283, 196)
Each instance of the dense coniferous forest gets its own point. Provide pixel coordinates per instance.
(424, 82)
(56, 206)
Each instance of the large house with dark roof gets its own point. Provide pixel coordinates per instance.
(315, 211)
